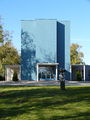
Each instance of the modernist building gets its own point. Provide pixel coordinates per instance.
(45, 47)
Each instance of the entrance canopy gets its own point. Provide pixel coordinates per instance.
(47, 65)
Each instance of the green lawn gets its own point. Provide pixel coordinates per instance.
(44, 103)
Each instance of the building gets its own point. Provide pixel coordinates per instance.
(45, 47)
(83, 71)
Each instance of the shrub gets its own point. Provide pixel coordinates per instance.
(15, 76)
(78, 76)
(2, 78)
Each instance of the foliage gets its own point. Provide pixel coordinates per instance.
(76, 55)
(15, 76)
(78, 76)
(8, 54)
(44, 103)
(2, 78)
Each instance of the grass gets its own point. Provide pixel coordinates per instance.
(44, 103)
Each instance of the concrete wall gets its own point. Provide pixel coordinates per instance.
(9, 71)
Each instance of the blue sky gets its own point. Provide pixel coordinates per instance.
(76, 11)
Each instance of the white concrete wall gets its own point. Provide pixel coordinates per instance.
(9, 73)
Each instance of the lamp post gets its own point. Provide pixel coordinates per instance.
(62, 78)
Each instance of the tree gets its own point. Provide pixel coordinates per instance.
(8, 54)
(76, 56)
(78, 76)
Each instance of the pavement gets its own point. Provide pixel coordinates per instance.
(42, 83)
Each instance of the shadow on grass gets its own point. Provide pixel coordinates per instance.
(82, 116)
(17, 101)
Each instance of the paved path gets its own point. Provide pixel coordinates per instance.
(43, 83)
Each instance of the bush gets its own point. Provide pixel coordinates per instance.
(78, 76)
(15, 76)
(2, 78)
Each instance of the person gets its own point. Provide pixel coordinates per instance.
(61, 76)
(62, 79)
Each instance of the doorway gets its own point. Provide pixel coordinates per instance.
(47, 71)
